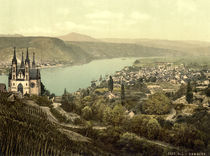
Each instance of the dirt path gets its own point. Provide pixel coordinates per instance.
(63, 127)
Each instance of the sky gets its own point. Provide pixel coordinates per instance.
(154, 19)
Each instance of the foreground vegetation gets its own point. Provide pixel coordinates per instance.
(26, 130)
(129, 135)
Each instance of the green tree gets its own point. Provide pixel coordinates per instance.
(153, 128)
(157, 103)
(181, 92)
(87, 113)
(189, 93)
(114, 116)
(122, 94)
(65, 92)
(44, 91)
(110, 84)
(207, 91)
(138, 124)
(108, 115)
(118, 115)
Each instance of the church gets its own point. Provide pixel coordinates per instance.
(25, 79)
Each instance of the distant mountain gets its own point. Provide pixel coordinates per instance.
(53, 51)
(190, 47)
(78, 37)
(99, 50)
(11, 35)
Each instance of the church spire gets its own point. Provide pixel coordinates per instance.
(14, 60)
(33, 63)
(27, 58)
(22, 62)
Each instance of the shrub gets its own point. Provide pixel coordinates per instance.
(58, 115)
(158, 104)
(153, 128)
(87, 113)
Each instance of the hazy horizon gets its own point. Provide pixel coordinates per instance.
(146, 19)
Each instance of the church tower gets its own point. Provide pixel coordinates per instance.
(27, 66)
(14, 65)
(33, 63)
(22, 65)
(24, 79)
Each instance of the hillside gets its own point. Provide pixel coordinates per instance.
(78, 37)
(190, 47)
(55, 51)
(26, 129)
(110, 50)
(83, 48)
(47, 49)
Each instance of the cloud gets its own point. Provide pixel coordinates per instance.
(104, 15)
(186, 7)
(63, 11)
(117, 18)
(139, 16)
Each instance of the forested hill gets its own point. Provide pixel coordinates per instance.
(47, 49)
(100, 50)
(54, 51)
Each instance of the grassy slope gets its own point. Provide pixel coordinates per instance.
(26, 130)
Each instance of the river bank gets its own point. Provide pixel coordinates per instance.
(57, 78)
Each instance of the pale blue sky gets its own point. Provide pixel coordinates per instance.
(164, 19)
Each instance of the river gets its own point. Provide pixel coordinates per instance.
(74, 77)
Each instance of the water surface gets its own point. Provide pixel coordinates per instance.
(74, 77)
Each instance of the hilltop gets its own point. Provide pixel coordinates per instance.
(78, 37)
(11, 35)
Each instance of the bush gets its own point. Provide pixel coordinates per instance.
(158, 104)
(115, 116)
(207, 91)
(42, 100)
(153, 128)
(58, 115)
(87, 113)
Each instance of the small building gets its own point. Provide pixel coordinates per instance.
(3, 88)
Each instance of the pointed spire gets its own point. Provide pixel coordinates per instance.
(14, 60)
(27, 58)
(33, 63)
(27, 54)
(22, 62)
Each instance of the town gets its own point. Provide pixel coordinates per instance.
(162, 77)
